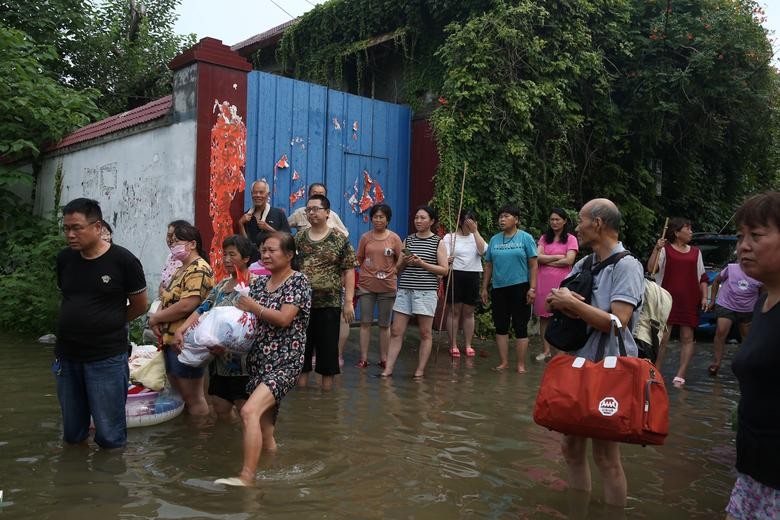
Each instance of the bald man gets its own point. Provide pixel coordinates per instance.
(617, 290)
(261, 219)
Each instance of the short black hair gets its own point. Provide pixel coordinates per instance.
(384, 208)
(429, 210)
(466, 215)
(549, 235)
(242, 244)
(323, 199)
(90, 208)
(675, 225)
(315, 184)
(760, 210)
(511, 209)
(174, 223)
(190, 233)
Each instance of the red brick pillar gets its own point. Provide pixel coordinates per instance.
(206, 72)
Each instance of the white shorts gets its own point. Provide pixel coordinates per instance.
(415, 301)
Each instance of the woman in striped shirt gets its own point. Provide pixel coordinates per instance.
(422, 263)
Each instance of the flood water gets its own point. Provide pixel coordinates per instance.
(459, 444)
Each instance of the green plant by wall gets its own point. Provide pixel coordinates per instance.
(553, 103)
(28, 282)
(337, 35)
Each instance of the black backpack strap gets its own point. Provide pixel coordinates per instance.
(613, 259)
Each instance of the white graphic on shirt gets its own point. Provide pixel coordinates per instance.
(105, 278)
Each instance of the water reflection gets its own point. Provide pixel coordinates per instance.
(460, 443)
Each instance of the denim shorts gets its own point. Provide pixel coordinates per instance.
(179, 369)
(97, 389)
(416, 301)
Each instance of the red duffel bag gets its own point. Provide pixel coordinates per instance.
(619, 398)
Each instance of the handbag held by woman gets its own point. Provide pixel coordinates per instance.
(618, 398)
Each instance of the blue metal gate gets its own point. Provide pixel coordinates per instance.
(299, 133)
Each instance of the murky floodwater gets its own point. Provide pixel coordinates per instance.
(460, 444)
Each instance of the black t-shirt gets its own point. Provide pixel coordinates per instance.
(275, 218)
(93, 313)
(756, 366)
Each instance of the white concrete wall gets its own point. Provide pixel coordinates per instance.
(142, 181)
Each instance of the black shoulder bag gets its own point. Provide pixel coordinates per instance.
(566, 333)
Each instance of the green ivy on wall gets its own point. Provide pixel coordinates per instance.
(554, 102)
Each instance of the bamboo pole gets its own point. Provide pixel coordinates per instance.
(449, 271)
(658, 253)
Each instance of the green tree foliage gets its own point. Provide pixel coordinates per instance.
(35, 109)
(336, 34)
(125, 52)
(554, 102)
(120, 48)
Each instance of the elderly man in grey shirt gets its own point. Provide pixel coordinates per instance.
(618, 291)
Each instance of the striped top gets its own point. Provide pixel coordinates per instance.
(413, 277)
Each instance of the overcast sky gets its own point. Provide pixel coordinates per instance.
(233, 21)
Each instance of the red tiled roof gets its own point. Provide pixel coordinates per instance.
(263, 39)
(143, 114)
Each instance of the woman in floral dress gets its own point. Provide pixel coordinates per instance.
(281, 302)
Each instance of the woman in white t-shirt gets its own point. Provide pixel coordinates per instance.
(464, 252)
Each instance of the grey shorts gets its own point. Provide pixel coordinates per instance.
(368, 300)
(734, 316)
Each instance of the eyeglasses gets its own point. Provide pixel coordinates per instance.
(313, 209)
(78, 228)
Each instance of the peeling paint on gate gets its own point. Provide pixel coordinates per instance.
(226, 178)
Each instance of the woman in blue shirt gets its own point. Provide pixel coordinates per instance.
(510, 271)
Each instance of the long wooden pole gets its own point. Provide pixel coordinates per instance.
(449, 271)
(658, 253)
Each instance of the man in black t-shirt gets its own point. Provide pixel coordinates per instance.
(261, 219)
(97, 279)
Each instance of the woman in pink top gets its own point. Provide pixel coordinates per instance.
(733, 298)
(557, 250)
(378, 253)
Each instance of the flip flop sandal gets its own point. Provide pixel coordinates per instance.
(678, 382)
(231, 481)
(455, 352)
(713, 370)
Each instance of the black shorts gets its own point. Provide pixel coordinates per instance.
(229, 388)
(509, 304)
(734, 316)
(464, 287)
(322, 340)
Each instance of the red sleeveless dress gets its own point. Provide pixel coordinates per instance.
(681, 279)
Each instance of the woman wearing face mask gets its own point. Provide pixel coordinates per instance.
(180, 297)
(227, 372)
(423, 261)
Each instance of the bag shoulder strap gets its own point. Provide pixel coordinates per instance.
(616, 328)
(613, 259)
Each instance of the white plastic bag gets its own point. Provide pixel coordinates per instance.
(194, 355)
(226, 327)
